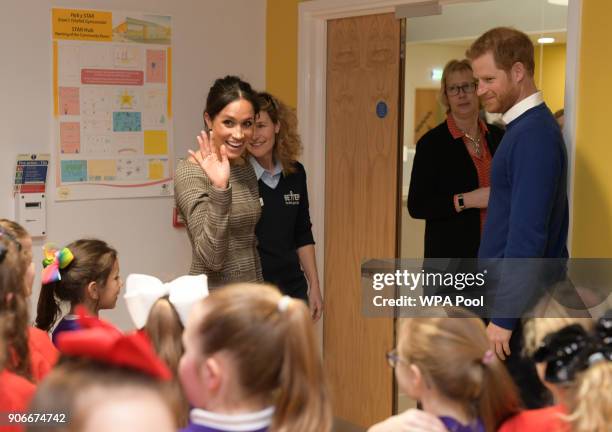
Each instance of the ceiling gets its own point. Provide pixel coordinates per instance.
(462, 23)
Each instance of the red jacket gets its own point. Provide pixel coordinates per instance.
(15, 395)
(43, 354)
(544, 419)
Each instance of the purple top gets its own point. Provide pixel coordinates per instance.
(201, 428)
(68, 323)
(453, 425)
(205, 421)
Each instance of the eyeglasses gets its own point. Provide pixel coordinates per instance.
(393, 358)
(467, 88)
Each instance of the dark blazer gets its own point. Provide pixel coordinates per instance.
(442, 168)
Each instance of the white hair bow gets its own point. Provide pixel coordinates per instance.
(142, 291)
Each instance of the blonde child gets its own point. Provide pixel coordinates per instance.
(448, 366)
(574, 361)
(161, 310)
(104, 381)
(251, 363)
(43, 354)
(85, 272)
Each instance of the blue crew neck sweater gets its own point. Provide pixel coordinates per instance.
(528, 211)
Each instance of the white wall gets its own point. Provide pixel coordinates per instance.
(210, 39)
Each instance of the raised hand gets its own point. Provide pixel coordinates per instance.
(213, 162)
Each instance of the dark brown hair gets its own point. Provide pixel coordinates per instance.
(288, 144)
(227, 90)
(93, 262)
(508, 46)
(275, 352)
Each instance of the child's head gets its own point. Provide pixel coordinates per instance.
(91, 278)
(161, 311)
(536, 330)
(24, 238)
(106, 381)
(577, 362)
(99, 397)
(246, 348)
(450, 358)
(13, 306)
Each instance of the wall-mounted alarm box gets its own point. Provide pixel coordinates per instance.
(31, 213)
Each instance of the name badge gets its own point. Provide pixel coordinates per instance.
(292, 198)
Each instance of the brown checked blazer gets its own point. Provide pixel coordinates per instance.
(220, 223)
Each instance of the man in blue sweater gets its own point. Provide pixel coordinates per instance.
(528, 210)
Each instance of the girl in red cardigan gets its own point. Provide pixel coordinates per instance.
(105, 381)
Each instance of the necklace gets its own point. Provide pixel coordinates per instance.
(475, 142)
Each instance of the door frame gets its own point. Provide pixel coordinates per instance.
(312, 62)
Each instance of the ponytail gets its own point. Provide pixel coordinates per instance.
(454, 355)
(48, 308)
(590, 403)
(92, 261)
(499, 398)
(302, 404)
(581, 361)
(164, 329)
(272, 343)
(16, 333)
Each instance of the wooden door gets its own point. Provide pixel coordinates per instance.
(361, 184)
(428, 112)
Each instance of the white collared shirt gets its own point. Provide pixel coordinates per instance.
(233, 422)
(529, 102)
(269, 178)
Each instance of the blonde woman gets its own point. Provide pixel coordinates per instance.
(449, 184)
(285, 241)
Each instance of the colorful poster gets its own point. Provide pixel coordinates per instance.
(112, 104)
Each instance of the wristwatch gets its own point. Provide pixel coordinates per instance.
(460, 202)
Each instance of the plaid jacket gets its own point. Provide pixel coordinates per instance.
(220, 223)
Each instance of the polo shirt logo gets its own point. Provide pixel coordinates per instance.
(292, 198)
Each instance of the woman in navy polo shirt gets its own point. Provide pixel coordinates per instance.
(286, 244)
